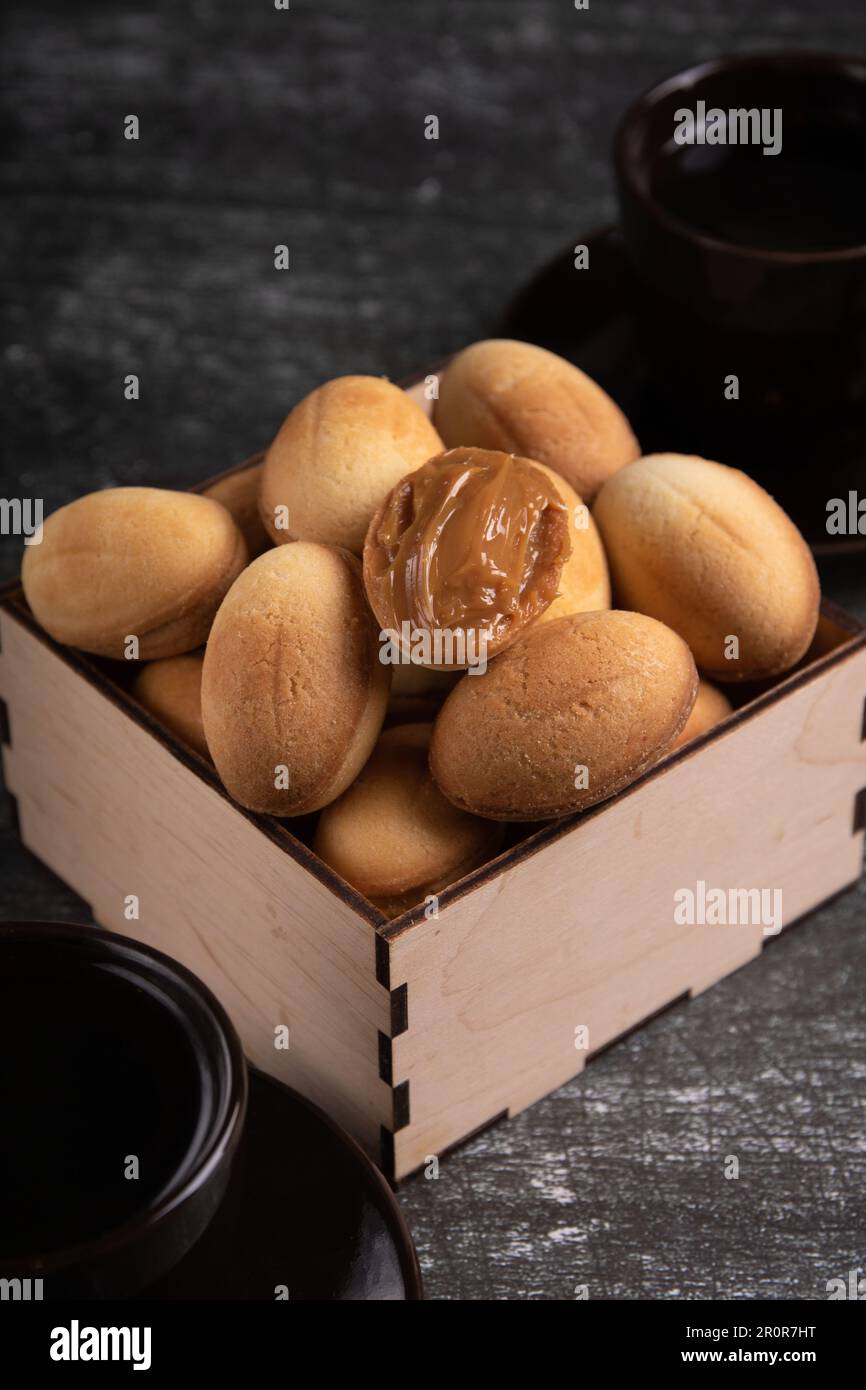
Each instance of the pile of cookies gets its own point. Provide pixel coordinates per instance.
(406, 623)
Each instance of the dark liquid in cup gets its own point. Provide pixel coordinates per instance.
(93, 1069)
(811, 196)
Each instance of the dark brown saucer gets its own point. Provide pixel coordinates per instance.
(588, 316)
(305, 1209)
(244, 1189)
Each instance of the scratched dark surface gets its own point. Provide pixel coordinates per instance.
(261, 127)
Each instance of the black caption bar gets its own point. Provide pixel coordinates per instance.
(149, 1340)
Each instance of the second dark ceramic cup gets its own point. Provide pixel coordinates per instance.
(124, 1091)
(789, 320)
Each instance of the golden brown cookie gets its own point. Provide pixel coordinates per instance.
(137, 562)
(417, 693)
(574, 711)
(293, 693)
(584, 585)
(706, 550)
(239, 494)
(500, 394)
(337, 455)
(464, 553)
(393, 835)
(710, 708)
(171, 690)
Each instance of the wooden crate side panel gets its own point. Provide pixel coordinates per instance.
(583, 932)
(114, 813)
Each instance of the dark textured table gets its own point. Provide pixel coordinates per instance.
(305, 127)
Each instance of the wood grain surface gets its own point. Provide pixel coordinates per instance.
(306, 128)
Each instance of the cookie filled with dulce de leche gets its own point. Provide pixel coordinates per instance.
(463, 554)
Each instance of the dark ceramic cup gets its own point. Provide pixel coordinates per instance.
(123, 1088)
(753, 265)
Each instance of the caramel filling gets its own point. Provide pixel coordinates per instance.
(474, 540)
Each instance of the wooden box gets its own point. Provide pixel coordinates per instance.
(415, 1033)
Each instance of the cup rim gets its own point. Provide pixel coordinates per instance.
(222, 1134)
(809, 60)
